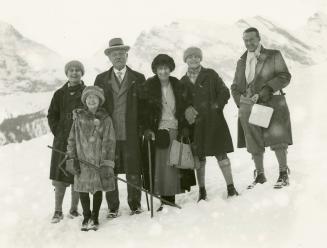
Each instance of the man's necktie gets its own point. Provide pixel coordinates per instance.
(119, 76)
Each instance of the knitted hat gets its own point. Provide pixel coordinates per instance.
(162, 59)
(93, 90)
(192, 51)
(74, 63)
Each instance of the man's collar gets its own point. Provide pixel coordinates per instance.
(123, 71)
(257, 51)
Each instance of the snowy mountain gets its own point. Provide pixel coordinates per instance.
(27, 69)
(25, 65)
(222, 44)
(315, 34)
(276, 37)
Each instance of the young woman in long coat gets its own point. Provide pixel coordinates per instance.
(164, 119)
(60, 120)
(92, 139)
(206, 95)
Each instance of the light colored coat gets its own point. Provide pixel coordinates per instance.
(271, 70)
(99, 150)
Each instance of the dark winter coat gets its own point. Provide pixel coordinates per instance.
(208, 96)
(151, 117)
(271, 70)
(60, 119)
(135, 80)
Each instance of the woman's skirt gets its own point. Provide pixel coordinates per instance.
(167, 180)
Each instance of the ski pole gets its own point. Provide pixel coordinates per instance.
(122, 180)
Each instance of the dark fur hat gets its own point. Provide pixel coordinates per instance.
(162, 59)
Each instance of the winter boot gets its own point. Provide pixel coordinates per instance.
(86, 221)
(73, 214)
(161, 207)
(113, 214)
(85, 224)
(231, 191)
(282, 181)
(259, 178)
(57, 217)
(94, 223)
(136, 211)
(202, 194)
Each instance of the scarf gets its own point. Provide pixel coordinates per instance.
(193, 73)
(251, 62)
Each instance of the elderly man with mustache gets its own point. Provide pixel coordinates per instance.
(121, 87)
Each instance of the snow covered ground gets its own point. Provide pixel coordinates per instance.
(263, 217)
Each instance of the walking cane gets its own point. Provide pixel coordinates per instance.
(120, 179)
(143, 183)
(150, 174)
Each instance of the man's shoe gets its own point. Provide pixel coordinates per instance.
(57, 217)
(282, 181)
(136, 211)
(260, 178)
(113, 214)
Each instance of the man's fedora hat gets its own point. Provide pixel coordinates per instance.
(116, 44)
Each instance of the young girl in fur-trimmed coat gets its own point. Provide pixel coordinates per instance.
(92, 139)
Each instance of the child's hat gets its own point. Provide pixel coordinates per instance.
(93, 90)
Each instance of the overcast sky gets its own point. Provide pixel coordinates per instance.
(77, 28)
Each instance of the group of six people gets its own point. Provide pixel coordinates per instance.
(111, 123)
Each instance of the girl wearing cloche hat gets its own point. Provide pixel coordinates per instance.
(92, 139)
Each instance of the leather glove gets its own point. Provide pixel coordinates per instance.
(77, 167)
(265, 94)
(191, 114)
(149, 134)
(73, 167)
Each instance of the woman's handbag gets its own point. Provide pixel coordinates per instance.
(162, 139)
(181, 155)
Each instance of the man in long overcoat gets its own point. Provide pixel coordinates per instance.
(121, 87)
(260, 77)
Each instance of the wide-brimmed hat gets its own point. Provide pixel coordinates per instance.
(162, 59)
(116, 44)
(93, 90)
